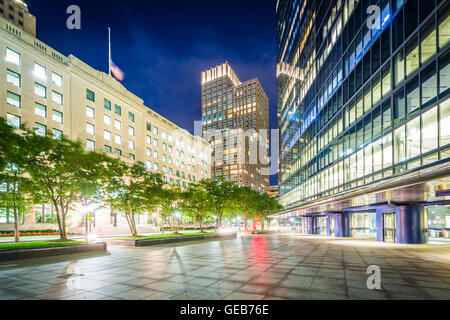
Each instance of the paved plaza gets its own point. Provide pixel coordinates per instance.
(246, 268)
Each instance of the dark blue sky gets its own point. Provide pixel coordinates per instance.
(162, 46)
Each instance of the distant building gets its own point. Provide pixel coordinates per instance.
(238, 112)
(273, 191)
(16, 12)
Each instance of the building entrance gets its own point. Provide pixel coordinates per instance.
(322, 226)
(389, 227)
(364, 225)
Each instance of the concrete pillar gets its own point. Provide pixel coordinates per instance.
(342, 226)
(380, 231)
(311, 225)
(411, 224)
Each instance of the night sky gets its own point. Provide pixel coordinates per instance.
(163, 46)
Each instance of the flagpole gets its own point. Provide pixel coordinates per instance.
(109, 47)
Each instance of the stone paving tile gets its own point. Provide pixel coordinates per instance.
(286, 267)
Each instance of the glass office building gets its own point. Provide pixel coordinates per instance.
(364, 116)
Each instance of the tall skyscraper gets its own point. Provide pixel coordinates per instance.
(16, 12)
(364, 113)
(235, 119)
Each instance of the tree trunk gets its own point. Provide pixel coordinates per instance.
(16, 224)
(201, 226)
(58, 219)
(86, 221)
(262, 224)
(245, 223)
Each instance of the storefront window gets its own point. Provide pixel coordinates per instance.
(44, 214)
(364, 225)
(439, 222)
(7, 215)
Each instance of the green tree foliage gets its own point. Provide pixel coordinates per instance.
(195, 204)
(219, 197)
(171, 209)
(59, 170)
(134, 191)
(14, 183)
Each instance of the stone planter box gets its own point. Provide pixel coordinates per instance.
(6, 255)
(155, 242)
(262, 232)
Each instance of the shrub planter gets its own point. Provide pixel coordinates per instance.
(262, 232)
(157, 241)
(41, 252)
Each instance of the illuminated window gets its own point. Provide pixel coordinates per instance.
(40, 71)
(444, 26)
(428, 44)
(56, 79)
(90, 112)
(90, 144)
(444, 121)
(40, 90)
(57, 98)
(13, 121)
(107, 120)
(13, 99)
(12, 56)
(57, 116)
(107, 135)
(40, 110)
(90, 129)
(13, 78)
(40, 129)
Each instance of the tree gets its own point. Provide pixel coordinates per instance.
(194, 203)
(170, 208)
(133, 191)
(266, 206)
(58, 168)
(247, 201)
(219, 197)
(92, 189)
(14, 182)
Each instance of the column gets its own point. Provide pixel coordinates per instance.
(311, 225)
(411, 224)
(380, 225)
(342, 227)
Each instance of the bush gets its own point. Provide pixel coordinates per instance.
(30, 231)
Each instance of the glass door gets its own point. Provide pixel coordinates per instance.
(332, 226)
(389, 227)
(321, 225)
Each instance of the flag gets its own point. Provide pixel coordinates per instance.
(116, 72)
